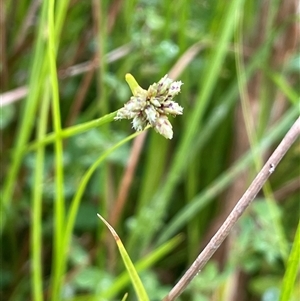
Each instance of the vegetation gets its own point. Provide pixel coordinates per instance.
(65, 158)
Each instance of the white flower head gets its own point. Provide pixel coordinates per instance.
(151, 107)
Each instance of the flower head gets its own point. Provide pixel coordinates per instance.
(151, 107)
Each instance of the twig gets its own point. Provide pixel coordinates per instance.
(237, 211)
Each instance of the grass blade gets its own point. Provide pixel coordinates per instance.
(136, 281)
(292, 269)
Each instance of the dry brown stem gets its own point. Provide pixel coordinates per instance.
(237, 211)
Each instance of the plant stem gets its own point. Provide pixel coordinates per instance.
(237, 211)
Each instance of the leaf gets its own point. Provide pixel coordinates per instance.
(136, 281)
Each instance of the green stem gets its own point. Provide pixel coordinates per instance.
(71, 131)
(36, 229)
(59, 179)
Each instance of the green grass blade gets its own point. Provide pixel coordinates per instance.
(59, 211)
(141, 265)
(292, 269)
(36, 225)
(135, 279)
(60, 13)
(124, 279)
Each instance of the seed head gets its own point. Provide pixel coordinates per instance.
(151, 107)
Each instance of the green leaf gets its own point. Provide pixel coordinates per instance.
(292, 269)
(136, 281)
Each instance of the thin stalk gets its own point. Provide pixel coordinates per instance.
(237, 211)
(71, 131)
(36, 225)
(59, 210)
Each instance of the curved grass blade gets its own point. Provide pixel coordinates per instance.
(136, 281)
(121, 282)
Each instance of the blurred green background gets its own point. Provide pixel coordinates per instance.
(63, 65)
